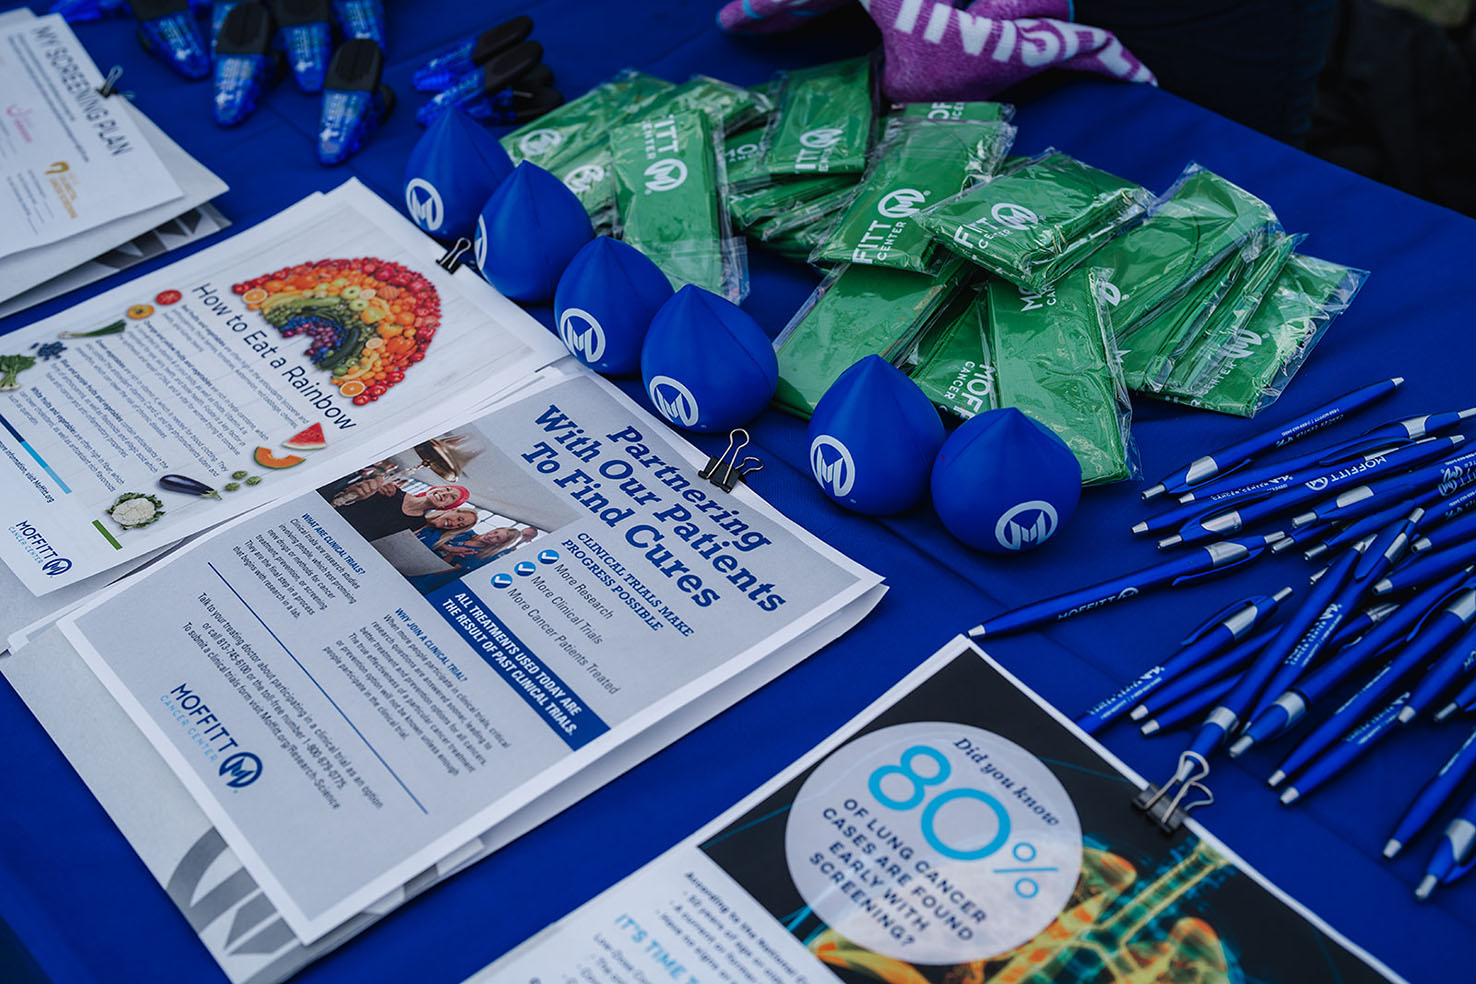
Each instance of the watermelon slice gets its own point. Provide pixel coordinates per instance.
(311, 439)
(266, 459)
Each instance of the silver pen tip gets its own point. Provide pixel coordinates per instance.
(1304, 519)
(1407, 714)
(1243, 743)
(1276, 778)
(1170, 541)
(1149, 728)
(1446, 711)
(1281, 545)
(1289, 795)
(1274, 537)
(1140, 528)
(1466, 414)
(1138, 713)
(1422, 543)
(1284, 594)
(1153, 491)
(1397, 380)
(1314, 551)
(1392, 848)
(1427, 885)
(1383, 587)
(977, 632)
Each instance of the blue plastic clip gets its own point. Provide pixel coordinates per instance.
(355, 103)
(362, 19)
(245, 63)
(307, 37)
(447, 66)
(167, 29)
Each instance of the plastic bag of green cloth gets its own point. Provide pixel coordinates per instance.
(574, 127)
(1198, 222)
(1035, 223)
(1055, 359)
(921, 161)
(750, 208)
(1238, 284)
(824, 120)
(856, 311)
(1246, 372)
(951, 362)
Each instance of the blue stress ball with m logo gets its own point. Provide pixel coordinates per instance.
(873, 437)
(528, 232)
(605, 302)
(1005, 483)
(707, 365)
(452, 171)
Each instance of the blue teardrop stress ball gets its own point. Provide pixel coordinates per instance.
(453, 169)
(1005, 483)
(873, 438)
(528, 232)
(707, 365)
(605, 302)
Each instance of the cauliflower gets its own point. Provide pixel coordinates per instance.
(136, 509)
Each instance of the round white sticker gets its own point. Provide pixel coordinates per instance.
(934, 843)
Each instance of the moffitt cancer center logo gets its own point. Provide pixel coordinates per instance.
(52, 563)
(208, 733)
(583, 334)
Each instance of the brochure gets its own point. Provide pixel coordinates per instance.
(70, 159)
(355, 683)
(253, 370)
(960, 829)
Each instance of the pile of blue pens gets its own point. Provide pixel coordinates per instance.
(496, 76)
(1392, 613)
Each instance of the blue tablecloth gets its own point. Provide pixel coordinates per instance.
(81, 902)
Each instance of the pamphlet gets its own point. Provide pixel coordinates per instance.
(958, 830)
(70, 158)
(253, 370)
(355, 683)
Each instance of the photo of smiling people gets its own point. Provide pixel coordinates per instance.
(446, 508)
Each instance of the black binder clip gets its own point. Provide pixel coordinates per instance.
(452, 259)
(110, 84)
(1166, 805)
(726, 470)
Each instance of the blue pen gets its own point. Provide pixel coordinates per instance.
(1465, 700)
(1188, 709)
(1207, 561)
(1449, 507)
(1432, 634)
(1201, 470)
(1455, 661)
(1431, 798)
(1291, 705)
(1355, 471)
(1358, 529)
(449, 64)
(1195, 681)
(1447, 534)
(1453, 855)
(1446, 478)
(1353, 746)
(1426, 567)
(480, 91)
(1293, 537)
(1222, 629)
(1384, 437)
(1357, 625)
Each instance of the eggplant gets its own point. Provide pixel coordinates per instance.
(187, 485)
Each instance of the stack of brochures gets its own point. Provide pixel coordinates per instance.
(331, 573)
(88, 185)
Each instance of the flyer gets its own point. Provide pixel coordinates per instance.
(249, 371)
(354, 683)
(70, 158)
(958, 830)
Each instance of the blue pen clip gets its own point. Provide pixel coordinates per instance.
(1264, 605)
(449, 64)
(307, 37)
(1387, 547)
(1254, 546)
(1459, 871)
(362, 19)
(167, 29)
(245, 63)
(355, 103)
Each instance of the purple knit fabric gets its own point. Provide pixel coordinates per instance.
(937, 51)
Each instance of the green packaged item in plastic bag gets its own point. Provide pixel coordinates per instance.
(574, 127)
(1201, 220)
(671, 204)
(726, 106)
(923, 161)
(743, 152)
(826, 207)
(1054, 359)
(1249, 371)
(589, 174)
(1035, 223)
(749, 208)
(856, 311)
(823, 121)
(952, 362)
(1253, 269)
(1146, 347)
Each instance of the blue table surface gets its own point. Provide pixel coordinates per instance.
(87, 910)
